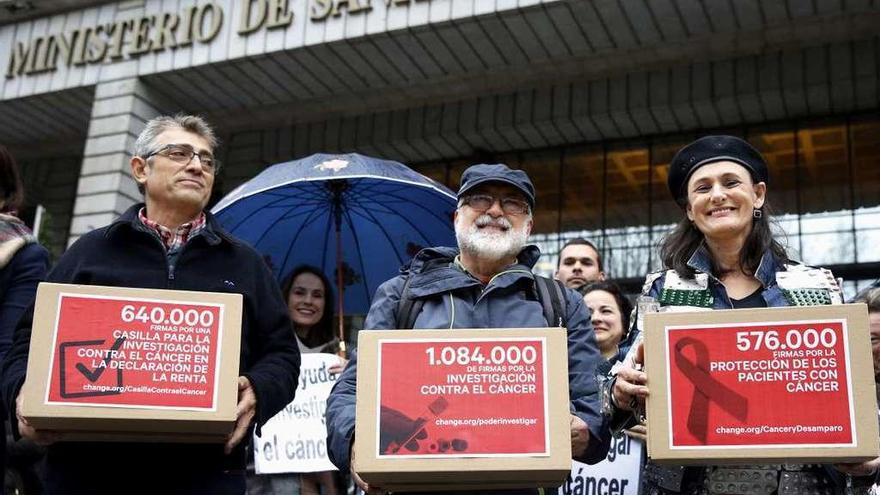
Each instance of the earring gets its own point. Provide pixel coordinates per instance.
(757, 213)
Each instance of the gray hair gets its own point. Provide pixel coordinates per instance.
(146, 141)
(871, 297)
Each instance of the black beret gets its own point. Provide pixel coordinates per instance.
(710, 149)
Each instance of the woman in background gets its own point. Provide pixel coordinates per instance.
(310, 302)
(609, 313)
(23, 263)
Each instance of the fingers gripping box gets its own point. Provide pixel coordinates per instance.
(112, 363)
(792, 385)
(462, 409)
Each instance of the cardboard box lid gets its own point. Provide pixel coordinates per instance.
(459, 480)
(143, 437)
(789, 384)
(467, 487)
(127, 359)
(440, 384)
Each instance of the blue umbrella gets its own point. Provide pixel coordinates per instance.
(355, 217)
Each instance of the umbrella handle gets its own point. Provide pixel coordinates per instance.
(341, 352)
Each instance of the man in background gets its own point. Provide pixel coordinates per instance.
(579, 264)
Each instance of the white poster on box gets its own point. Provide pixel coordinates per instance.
(618, 473)
(295, 440)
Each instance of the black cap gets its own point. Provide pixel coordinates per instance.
(482, 173)
(711, 149)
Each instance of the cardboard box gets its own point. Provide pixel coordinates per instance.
(124, 364)
(462, 409)
(793, 385)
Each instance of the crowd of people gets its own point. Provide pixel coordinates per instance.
(723, 254)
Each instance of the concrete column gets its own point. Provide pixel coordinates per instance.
(106, 189)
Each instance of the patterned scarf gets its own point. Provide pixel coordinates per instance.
(14, 235)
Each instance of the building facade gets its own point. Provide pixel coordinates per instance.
(591, 97)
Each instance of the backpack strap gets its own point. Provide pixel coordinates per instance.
(551, 294)
(408, 308)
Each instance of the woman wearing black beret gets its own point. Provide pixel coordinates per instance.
(723, 255)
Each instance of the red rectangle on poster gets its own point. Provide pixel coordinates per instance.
(462, 398)
(760, 385)
(125, 352)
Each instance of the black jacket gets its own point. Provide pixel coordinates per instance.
(127, 254)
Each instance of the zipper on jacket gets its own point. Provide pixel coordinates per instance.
(179, 256)
(489, 283)
(529, 272)
(452, 315)
(172, 266)
(169, 268)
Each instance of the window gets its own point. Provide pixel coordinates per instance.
(824, 190)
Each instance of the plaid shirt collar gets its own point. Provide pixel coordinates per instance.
(174, 240)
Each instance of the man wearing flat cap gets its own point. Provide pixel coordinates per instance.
(486, 282)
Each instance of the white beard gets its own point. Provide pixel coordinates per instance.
(490, 244)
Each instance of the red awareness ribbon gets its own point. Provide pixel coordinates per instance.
(706, 389)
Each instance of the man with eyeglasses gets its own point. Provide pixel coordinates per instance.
(486, 282)
(170, 242)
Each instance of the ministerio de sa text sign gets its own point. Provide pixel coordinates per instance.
(133, 37)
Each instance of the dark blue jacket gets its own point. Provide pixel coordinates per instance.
(127, 254)
(18, 286)
(508, 301)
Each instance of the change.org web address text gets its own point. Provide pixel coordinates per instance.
(142, 389)
(763, 429)
(485, 421)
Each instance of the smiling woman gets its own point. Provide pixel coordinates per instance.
(722, 201)
(310, 301)
(309, 298)
(609, 314)
(722, 255)
(721, 183)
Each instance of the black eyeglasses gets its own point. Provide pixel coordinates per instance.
(482, 202)
(184, 153)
